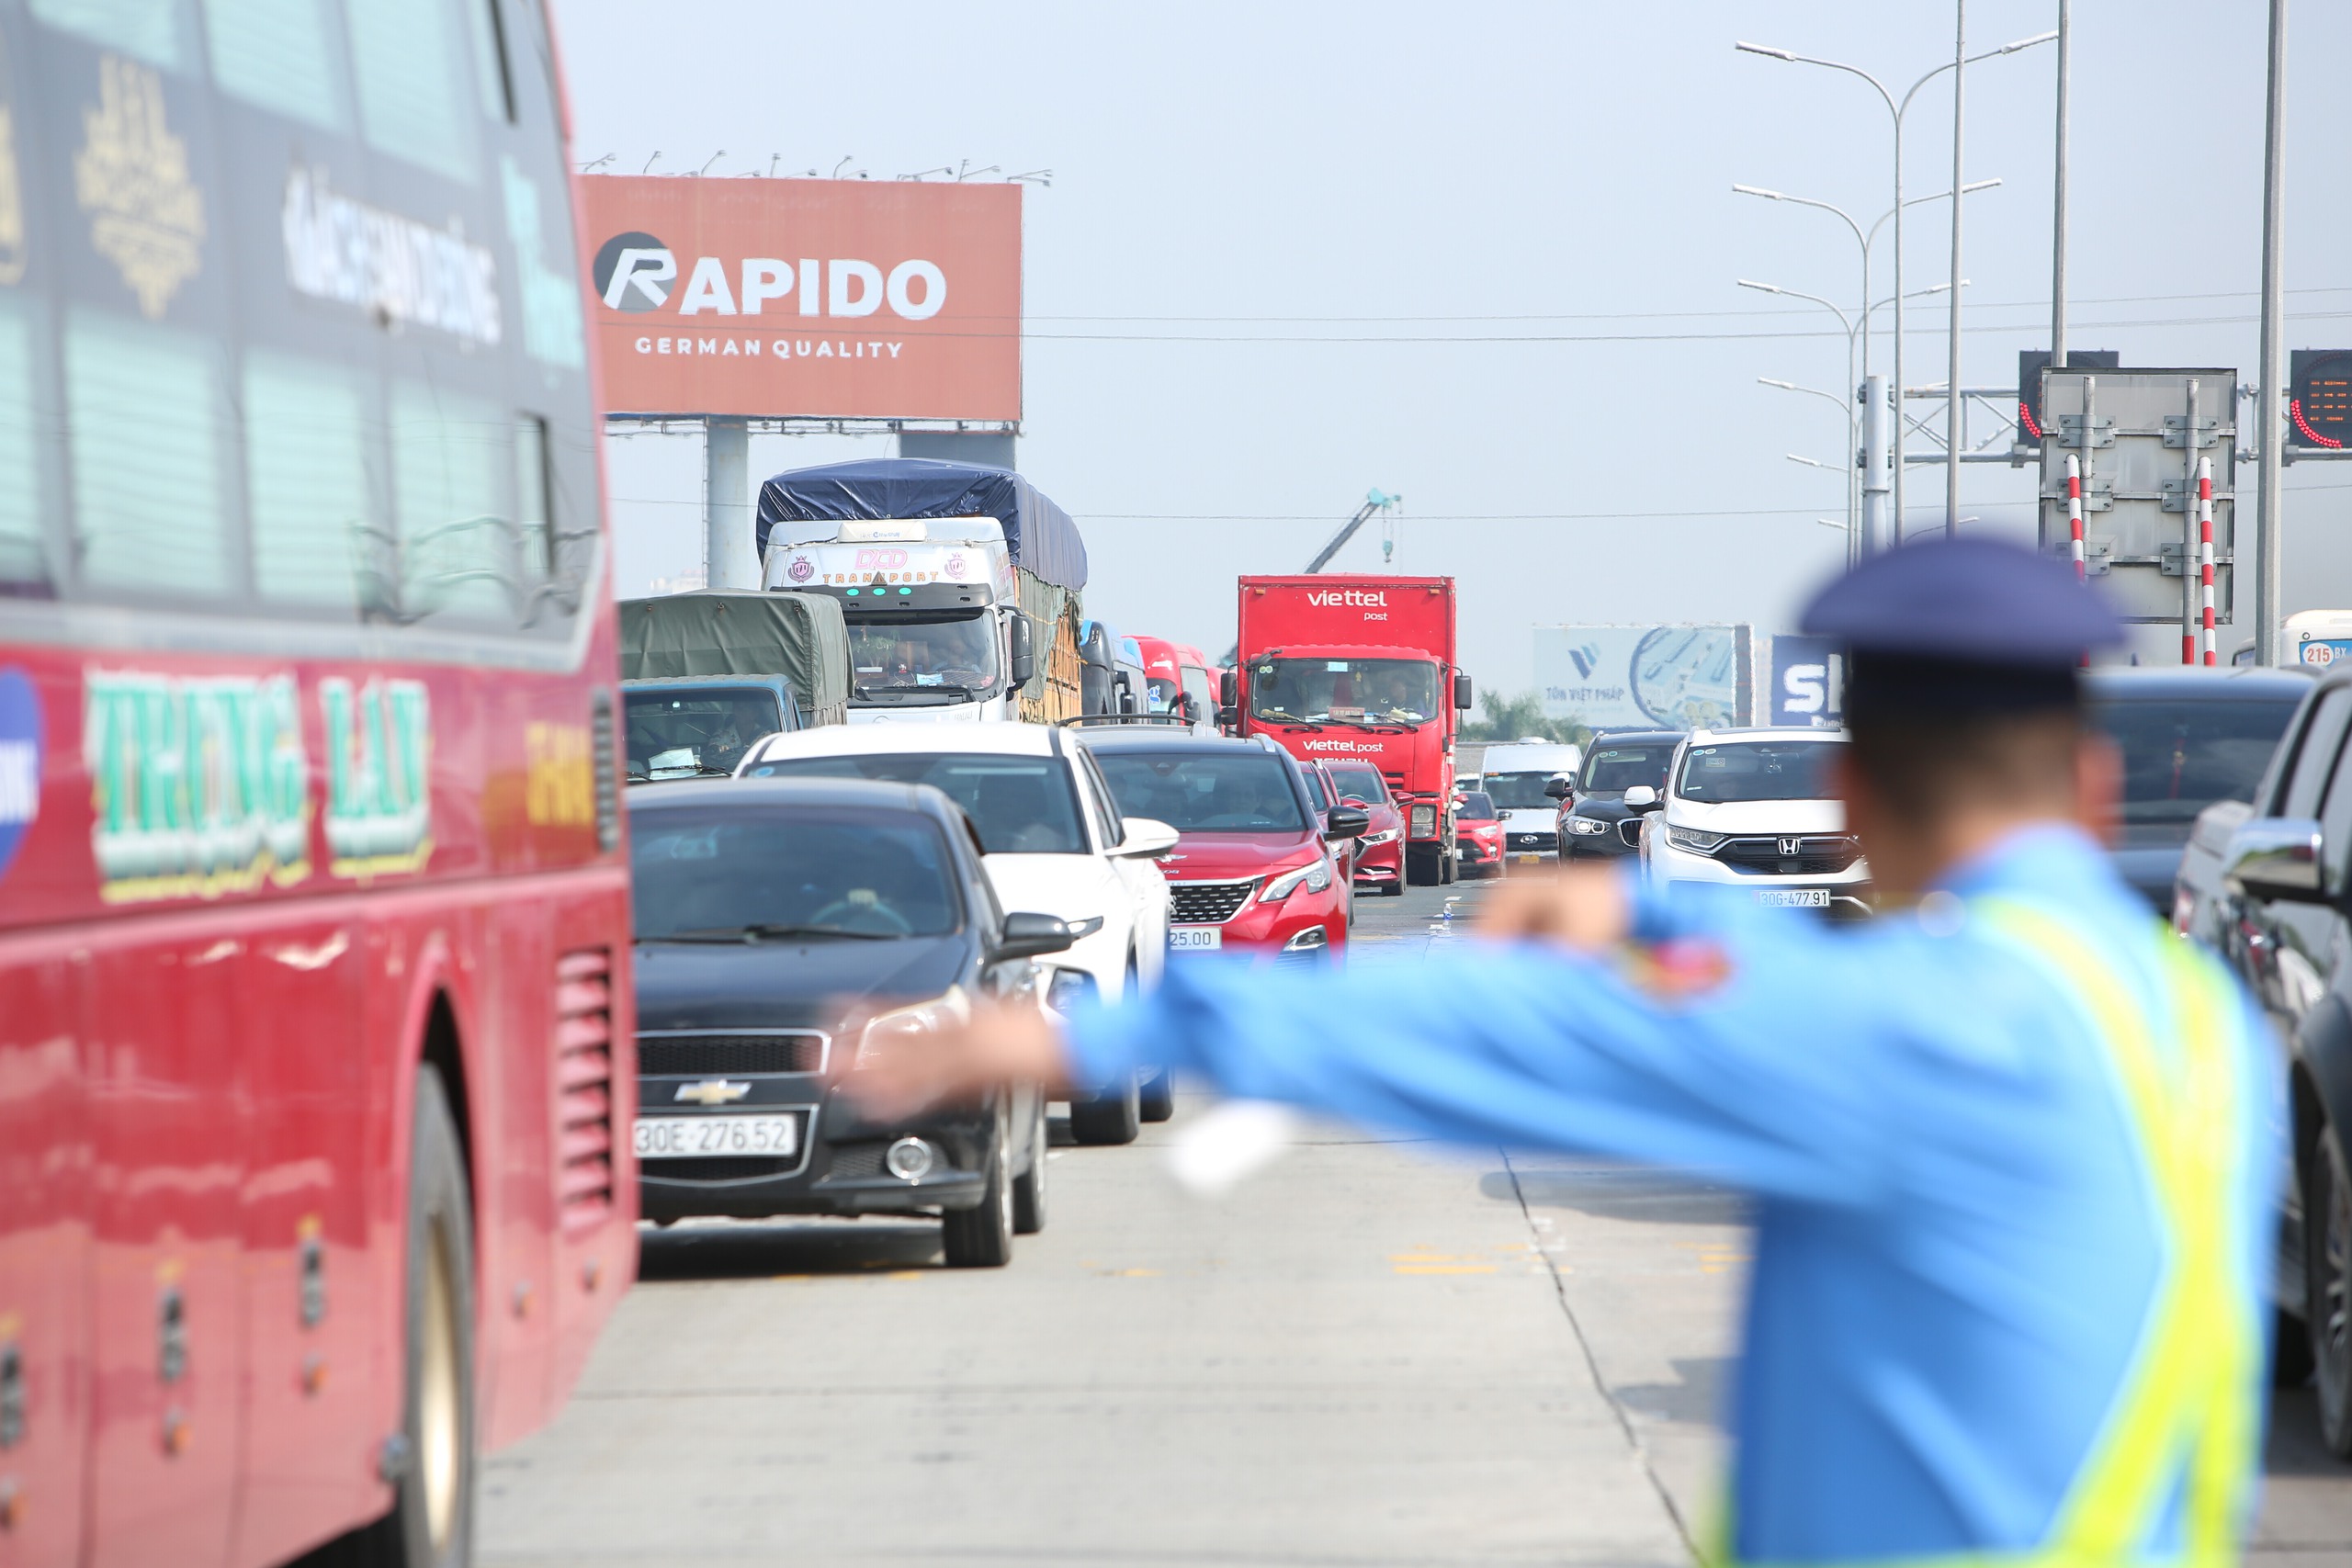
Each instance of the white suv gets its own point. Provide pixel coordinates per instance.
(1052, 842)
(1751, 809)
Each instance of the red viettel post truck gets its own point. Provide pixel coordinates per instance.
(1361, 668)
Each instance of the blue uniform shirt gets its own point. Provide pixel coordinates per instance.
(1957, 1240)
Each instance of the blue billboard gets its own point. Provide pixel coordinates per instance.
(1808, 682)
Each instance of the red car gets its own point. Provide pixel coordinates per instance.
(1253, 870)
(1478, 833)
(1380, 853)
(1323, 794)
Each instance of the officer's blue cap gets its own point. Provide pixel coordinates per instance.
(1962, 625)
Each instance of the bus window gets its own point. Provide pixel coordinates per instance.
(143, 412)
(307, 486)
(278, 55)
(414, 103)
(147, 29)
(23, 551)
(451, 457)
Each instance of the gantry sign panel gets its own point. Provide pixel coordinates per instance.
(2139, 435)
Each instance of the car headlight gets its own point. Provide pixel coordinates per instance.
(1315, 877)
(1585, 826)
(1424, 820)
(1386, 836)
(1696, 842)
(910, 1022)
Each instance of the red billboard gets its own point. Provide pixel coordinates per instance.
(832, 299)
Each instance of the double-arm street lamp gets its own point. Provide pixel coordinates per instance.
(1896, 109)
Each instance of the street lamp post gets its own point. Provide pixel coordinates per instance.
(1846, 412)
(1895, 109)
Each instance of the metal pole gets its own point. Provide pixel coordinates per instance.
(2270, 402)
(1894, 533)
(2058, 217)
(2188, 532)
(1953, 401)
(727, 504)
(1875, 466)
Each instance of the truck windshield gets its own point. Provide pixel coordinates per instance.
(1343, 690)
(1759, 770)
(1200, 793)
(696, 734)
(895, 658)
(2182, 754)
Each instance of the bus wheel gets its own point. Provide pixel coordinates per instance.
(431, 1462)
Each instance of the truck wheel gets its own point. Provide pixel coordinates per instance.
(1113, 1119)
(981, 1236)
(2327, 1274)
(432, 1521)
(1158, 1100)
(1029, 1187)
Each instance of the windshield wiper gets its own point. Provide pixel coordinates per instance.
(764, 930)
(917, 691)
(1282, 716)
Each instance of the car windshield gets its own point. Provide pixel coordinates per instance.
(1757, 770)
(2182, 754)
(1022, 806)
(892, 655)
(744, 872)
(1226, 792)
(1518, 792)
(1361, 781)
(1477, 806)
(1616, 769)
(694, 734)
(1316, 795)
(1343, 690)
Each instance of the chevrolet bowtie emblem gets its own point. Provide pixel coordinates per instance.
(712, 1091)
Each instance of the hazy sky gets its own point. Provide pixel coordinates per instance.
(1485, 258)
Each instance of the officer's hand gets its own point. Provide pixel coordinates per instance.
(1004, 1043)
(1584, 908)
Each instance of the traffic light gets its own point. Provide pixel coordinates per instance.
(2031, 362)
(2319, 399)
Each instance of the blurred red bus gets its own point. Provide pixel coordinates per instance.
(314, 911)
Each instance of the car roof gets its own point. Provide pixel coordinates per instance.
(1765, 732)
(1614, 737)
(2141, 682)
(786, 792)
(1114, 739)
(873, 740)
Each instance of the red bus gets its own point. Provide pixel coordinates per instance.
(313, 907)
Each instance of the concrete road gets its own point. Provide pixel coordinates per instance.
(1375, 1353)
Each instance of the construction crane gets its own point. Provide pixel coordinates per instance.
(1374, 503)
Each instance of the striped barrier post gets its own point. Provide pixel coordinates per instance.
(2205, 548)
(2074, 511)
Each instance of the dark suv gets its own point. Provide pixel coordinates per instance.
(2284, 922)
(1595, 821)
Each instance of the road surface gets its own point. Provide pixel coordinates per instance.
(1373, 1354)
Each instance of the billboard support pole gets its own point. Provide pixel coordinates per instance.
(1874, 467)
(2270, 400)
(727, 504)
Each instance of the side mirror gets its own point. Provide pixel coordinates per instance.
(1028, 935)
(2275, 857)
(1558, 787)
(1642, 797)
(1021, 660)
(1228, 688)
(1461, 692)
(1228, 717)
(1346, 822)
(1147, 839)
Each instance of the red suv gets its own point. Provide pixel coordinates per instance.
(1478, 833)
(1380, 853)
(1253, 869)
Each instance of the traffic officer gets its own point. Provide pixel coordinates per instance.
(2013, 1143)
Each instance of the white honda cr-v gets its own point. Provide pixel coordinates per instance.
(1751, 809)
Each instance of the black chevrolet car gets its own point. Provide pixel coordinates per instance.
(1595, 821)
(788, 929)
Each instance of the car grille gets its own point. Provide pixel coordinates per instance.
(1206, 903)
(1629, 832)
(1315, 958)
(1818, 855)
(1535, 840)
(857, 1162)
(729, 1055)
(745, 1169)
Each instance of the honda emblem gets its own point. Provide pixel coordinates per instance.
(1790, 846)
